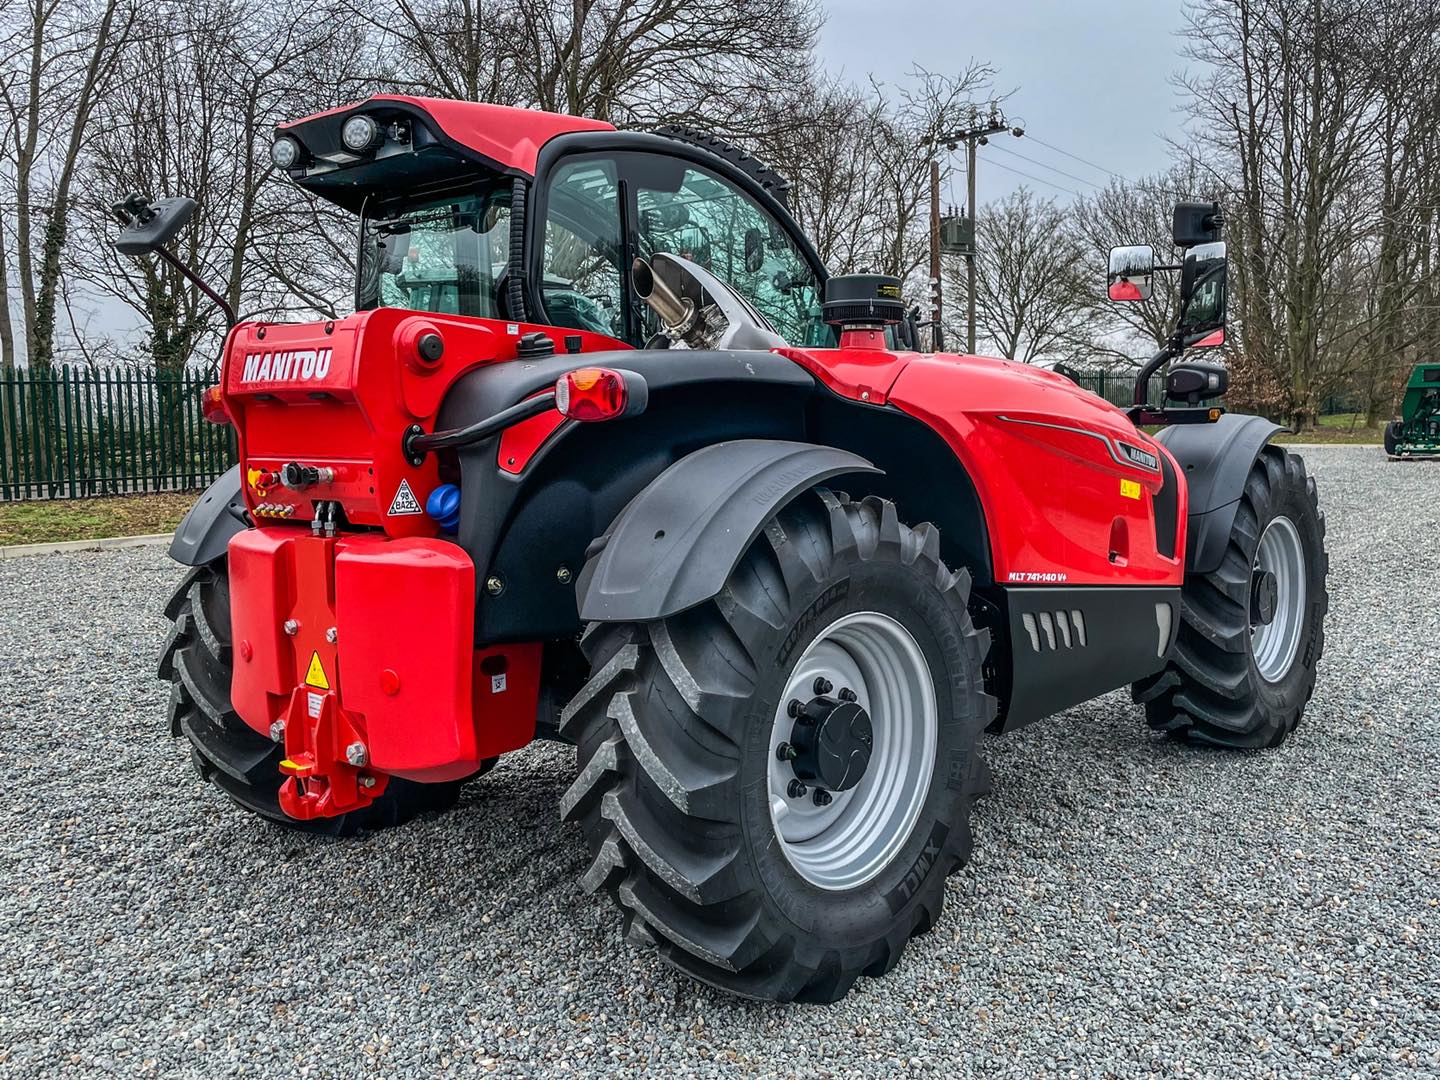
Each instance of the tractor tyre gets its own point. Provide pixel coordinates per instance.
(1392, 438)
(775, 784)
(223, 748)
(1252, 632)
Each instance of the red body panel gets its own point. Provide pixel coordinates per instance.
(402, 677)
(509, 137)
(1062, 501)
(340, 395)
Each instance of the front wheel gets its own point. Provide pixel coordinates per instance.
(1252, 632)
(774, 785)
(1392, 438)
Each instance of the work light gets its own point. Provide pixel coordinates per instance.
(361, 133)
(285, 152)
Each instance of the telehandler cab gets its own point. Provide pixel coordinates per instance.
(604, 456)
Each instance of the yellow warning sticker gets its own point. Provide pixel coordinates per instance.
(315, 676)
(1129, 488)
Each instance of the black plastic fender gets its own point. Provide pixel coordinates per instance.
(1215, 458)
(204, 534)
(676, 542)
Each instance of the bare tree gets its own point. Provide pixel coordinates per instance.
(59, 61)
(1033, 296)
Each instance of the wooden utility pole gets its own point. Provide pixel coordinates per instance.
(973, 138)
(937, 338)
(970, 255)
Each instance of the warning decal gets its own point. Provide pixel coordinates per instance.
(315, 674)
(404, 501)
(1129, 488)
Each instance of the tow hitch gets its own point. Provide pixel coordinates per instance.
(325, 757)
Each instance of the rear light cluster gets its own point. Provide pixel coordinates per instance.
(590, 394)
(212, 406)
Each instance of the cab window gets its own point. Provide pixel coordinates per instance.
(442, 255)
(686, 210)
(581, 281)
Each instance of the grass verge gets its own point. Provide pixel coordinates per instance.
(51, 521)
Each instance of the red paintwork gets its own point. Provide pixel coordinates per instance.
(366, 401)
(862, 369)
(1052, 498)
(403, 677)
(509, 137)
(520, 443)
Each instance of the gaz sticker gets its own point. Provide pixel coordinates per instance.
(315, 674)
(497, 683)
(1130, 489)
(404, 502)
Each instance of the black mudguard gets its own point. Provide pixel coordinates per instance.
(1216, 459)
(204, 534)
(677, 541)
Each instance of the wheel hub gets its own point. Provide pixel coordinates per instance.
(1264, 597)
(1277, 599)
(852, 750)
(832, 740)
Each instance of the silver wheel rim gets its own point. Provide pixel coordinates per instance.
(1274, 644)
(846, 843)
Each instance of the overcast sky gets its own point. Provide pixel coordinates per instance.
(1063, 58)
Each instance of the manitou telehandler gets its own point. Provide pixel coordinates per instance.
(604, 456)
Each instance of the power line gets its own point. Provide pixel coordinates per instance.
(1044, 165)
(1083, 161)
(1038, 180)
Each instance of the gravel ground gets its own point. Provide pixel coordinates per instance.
(1134, 908)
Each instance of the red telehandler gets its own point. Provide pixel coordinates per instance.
(604, 456)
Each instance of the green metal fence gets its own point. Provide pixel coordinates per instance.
(73, 432)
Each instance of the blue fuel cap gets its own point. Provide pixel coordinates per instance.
(444, 506)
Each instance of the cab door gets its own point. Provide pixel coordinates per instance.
(597, 210)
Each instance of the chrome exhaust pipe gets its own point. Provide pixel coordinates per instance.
(676, 312)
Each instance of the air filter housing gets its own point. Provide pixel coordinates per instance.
(863, 300)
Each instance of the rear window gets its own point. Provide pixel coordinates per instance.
(444, 255)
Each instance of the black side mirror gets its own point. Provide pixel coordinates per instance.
(1196, 223)
(1196, 382)
(150, 226)
(1202, 295)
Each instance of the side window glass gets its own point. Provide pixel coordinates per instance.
(581, 281)
(691, 212)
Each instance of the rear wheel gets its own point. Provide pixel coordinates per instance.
(774, 785)
(1392, 438)
(1252, 632)
(228, 752)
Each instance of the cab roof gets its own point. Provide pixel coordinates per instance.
(506, 137)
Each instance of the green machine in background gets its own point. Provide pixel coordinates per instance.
(1418, 429)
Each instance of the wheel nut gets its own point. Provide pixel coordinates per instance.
(332, 635)
(277, 731)
(563, 574)
(786, 752)
(823, 685)
(494, 586)
(796, 789)
(794, 707)
(356, 755)
(846, 694)
(822, 797)
(292, 627)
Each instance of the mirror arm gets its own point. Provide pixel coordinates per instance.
(195, 280)
(1171, 349)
